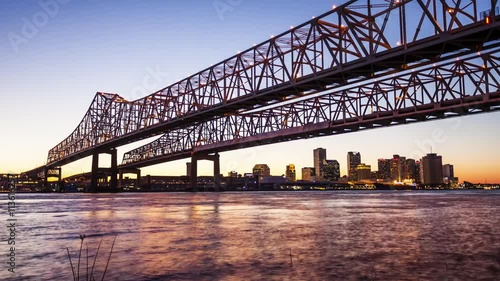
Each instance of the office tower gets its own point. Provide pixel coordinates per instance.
(261, 170)
(353, 160)
(411, 169)
(331, 170)
(432, 169)
(307, 173)
(188, 169)
(398, 168)
(290, 172)
(448, 173)
(319, 162)
(418, 177)
(364, 172)
(384, 169)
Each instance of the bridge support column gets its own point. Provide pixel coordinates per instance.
(138, 182)
(194, 170)
(120, 179)
(193, 177)
(59, 179)
(114, 170)
(52, 173)
(96, 171)
(46, 178)
(216, 172)
(129, 171)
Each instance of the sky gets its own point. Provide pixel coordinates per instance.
(56, 54)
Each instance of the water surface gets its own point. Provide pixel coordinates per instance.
(338, 235)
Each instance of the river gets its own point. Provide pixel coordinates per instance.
(323, 235)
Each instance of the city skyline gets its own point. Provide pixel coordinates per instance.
(398, 168)
(65, 68)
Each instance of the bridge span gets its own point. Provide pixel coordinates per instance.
(359, 65)
(455, 87)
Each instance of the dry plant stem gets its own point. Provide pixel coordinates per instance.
(79, 257)
(95, 258)
(110, 252)
(87, 276)
(71, 263)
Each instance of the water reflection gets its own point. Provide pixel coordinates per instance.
(265, 236)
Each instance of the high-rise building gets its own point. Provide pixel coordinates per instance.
(188, 169)
(232, 174)
(331, 171)
(448, 174)
(432, 169)
(307, 173)
(418, 177)
(290, 172)
(353, 160)
(398, 168)
(319, 162)
(261, 170)
(364, 172)
(384, 169)
(411, 172)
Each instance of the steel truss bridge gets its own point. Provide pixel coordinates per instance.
(360, 65)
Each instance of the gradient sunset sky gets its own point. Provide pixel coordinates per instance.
(48, 80)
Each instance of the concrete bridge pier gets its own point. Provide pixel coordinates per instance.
(96, 170)
(194, 169)
(52, 173)
(135, 171)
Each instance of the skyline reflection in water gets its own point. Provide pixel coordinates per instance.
(340, 235)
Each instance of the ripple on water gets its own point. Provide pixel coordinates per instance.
(266, 236)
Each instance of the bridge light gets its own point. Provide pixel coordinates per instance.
(487, 20)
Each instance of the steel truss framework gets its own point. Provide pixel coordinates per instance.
(349, 43)
(453, 87)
